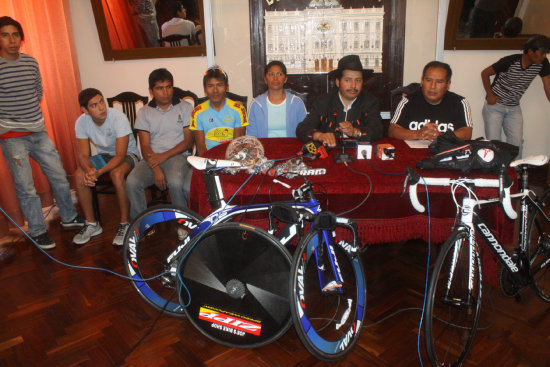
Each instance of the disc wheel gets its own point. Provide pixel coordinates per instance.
(453, 305)
(539, 248)
(328, 321)
(151, 238)
(234, 284)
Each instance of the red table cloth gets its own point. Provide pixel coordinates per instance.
(384, 217)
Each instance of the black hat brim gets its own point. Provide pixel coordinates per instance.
(336, 73)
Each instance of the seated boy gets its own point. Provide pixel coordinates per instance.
(110, 131)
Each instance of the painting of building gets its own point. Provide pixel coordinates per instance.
(314, 39)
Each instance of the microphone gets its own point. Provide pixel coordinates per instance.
(343, 156)
(313, 149)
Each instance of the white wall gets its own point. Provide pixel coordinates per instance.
(467, 66)
(232, 36)
(113, 77)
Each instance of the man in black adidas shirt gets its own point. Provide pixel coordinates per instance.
(514, 74)
(433, 110)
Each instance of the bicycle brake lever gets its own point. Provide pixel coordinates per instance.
(411, 177)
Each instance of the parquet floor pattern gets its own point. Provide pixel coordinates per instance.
(52, 315)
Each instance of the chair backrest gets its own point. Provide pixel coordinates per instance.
(233, 96)
(302, 96)
(198, 36)
(185, 94)
(129, 102)
(399, 92)
(176, 40)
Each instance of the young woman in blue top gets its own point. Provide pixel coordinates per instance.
(277, 112)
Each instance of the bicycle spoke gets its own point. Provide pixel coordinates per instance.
(539, 248)
(152, 237)
(454, 302)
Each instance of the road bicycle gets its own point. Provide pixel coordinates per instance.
(454, 296)
(238, 283)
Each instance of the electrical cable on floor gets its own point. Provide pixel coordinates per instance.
(25, 234)
(147, 332)
(427, 270)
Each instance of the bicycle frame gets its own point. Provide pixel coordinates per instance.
(224, 213)
(474, 223)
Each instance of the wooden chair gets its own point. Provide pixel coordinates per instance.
(129, 102)
(177, 40)
(302, 96)
(399, 92)
(185, 94)
(233, 96)
(395, 97)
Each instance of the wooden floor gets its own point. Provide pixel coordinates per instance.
(53, 315)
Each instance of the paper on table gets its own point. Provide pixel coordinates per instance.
(415, 144)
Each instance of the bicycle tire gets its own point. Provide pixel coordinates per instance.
(150, 239)
(237, 278)
(451, 319)
(326, 329)
(539, 248)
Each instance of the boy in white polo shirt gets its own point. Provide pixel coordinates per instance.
(110, 131)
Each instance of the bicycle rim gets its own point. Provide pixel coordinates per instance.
(237, 279)
(452, 309)
(539, 249)
(328, 324)
(150, 240)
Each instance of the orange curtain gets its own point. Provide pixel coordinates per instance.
(124, 31)
(49, 39)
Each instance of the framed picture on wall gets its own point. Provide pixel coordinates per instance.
(310, 36)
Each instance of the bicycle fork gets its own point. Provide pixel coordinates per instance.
(467, 225)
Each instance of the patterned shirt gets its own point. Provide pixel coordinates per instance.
(512, 80)
(20, 95)
(218, 126)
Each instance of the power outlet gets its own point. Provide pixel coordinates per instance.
(364, 150)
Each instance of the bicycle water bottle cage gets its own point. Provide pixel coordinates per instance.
(325, 221)
(284, 212)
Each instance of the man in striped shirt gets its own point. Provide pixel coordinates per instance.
(514, 74)
(433, 110)
(23, 134)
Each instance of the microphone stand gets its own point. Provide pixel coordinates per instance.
(342, 156)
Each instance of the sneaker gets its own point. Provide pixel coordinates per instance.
(44, 241)
(77, 222)
(86, 233)
(119, 238)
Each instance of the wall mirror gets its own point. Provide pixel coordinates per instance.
(123, 38)
(489, 25)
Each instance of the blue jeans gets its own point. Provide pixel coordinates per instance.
(178, 178)
(498, 117)
(39, 147)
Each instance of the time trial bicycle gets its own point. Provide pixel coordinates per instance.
(238, 283)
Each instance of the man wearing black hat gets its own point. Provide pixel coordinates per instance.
(514, 74)
(348, 111)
